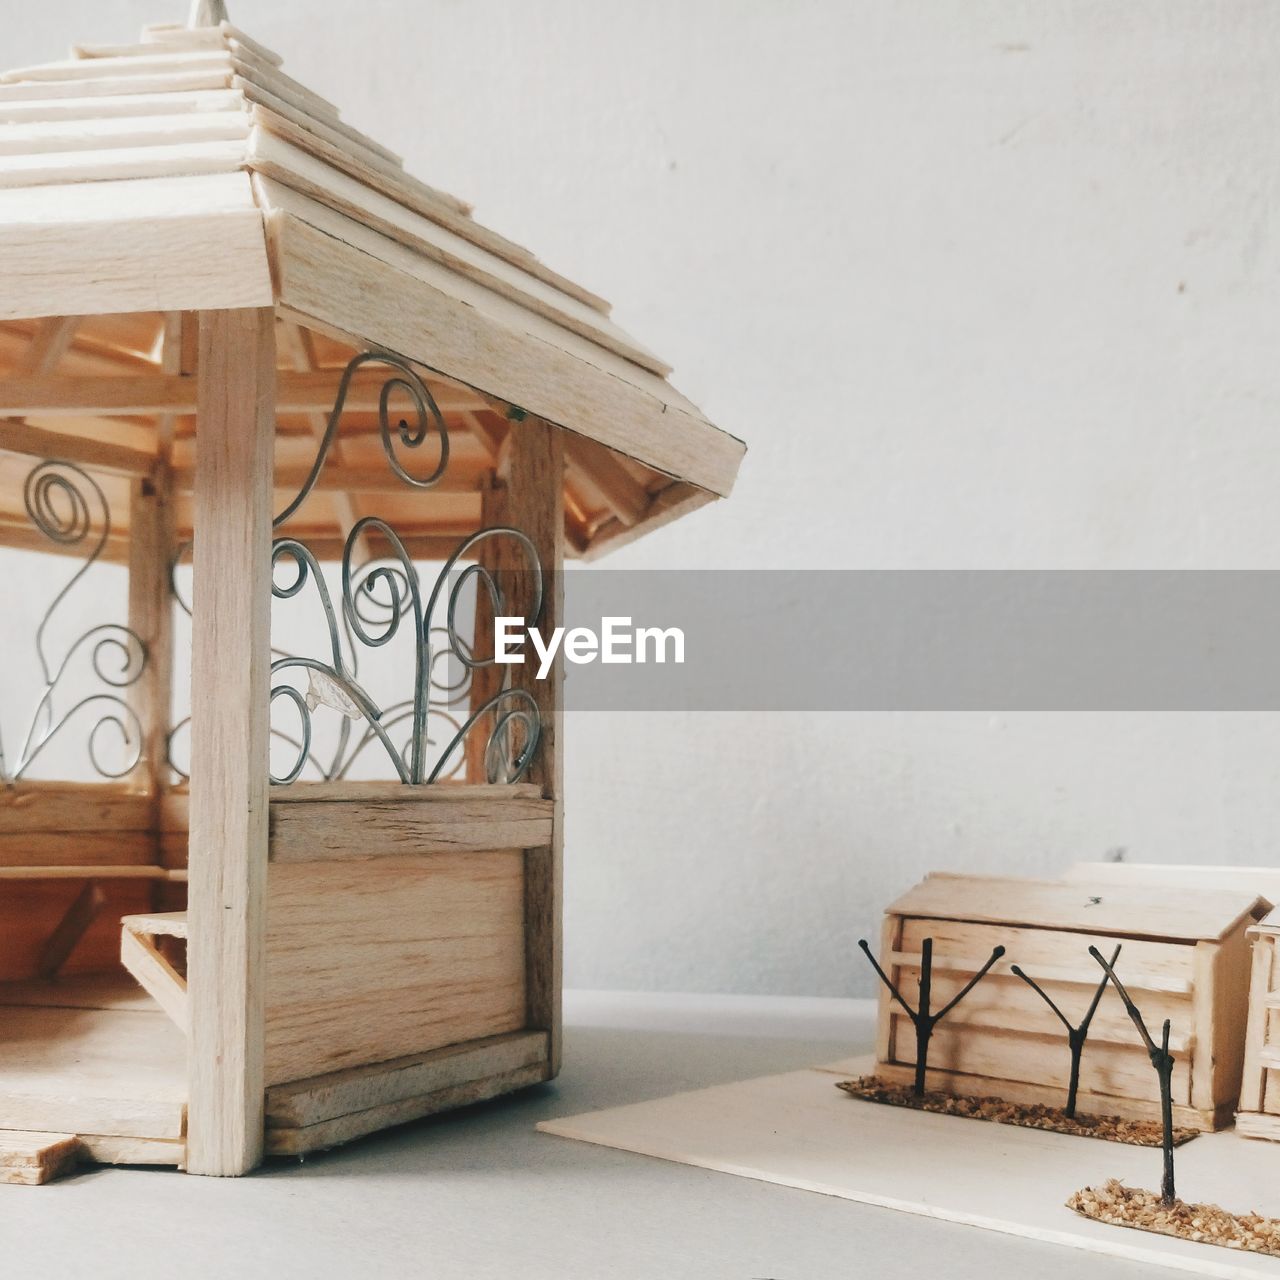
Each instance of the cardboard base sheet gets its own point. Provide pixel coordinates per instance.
(799, 1130)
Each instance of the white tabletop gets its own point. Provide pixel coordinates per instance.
(479, 1194)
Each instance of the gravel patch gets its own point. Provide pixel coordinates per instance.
(1136, 1133)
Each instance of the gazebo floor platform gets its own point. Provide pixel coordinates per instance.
(95, 1057)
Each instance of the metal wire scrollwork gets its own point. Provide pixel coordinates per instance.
(65, 505)
(422, 735)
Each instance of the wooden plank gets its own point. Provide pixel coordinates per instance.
(182, 158)
(668, 505)
(369, 960)
(1252, 1125)
(485, 681)
(1107, 1070)
(30, 911)
(293, 182)
(1253, 1078)
(158, 1152)
(312, 166)
(1149, 912)
(114, 990)
(151, 549)
(628, 499)
(75, 923)
(114, 132)
(535, 505)
(125, 246)
(318, 830)
(125, 104)
(158, 924)
(340, 1093)
(1061, 955)
(440, 793)
(1230, 1016)
(1264, 881)
(128, 396)
(92, 1071)
(79, 849)
(90, 872)
(153, 84)
(333, 1133)
(331, 130)
(91, 807)
(1004, 1004)
(229, 686)
(100, 455)
(890, 940)
(157, 977)
(331, 283)
(32, 1159)
(119, 68)
(339, 480)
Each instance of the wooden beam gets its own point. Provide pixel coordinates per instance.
(155, 975)
(432, 547)
(407, 309)
(628, 499)
(88, 807)
(229, 728)
(52, 338)
(44, 395)
(151, 620)
(84, 910)
(344, 479)
(669, 505)
(535, 505)
(320, 830)
(485, 681)
(36, 442)
(93, 872)
(345, 1093)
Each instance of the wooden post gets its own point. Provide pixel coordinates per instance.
(485, 681)
(535, 505)
(151, 620)
(231, 596)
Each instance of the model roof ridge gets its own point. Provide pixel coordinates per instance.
(170, 61)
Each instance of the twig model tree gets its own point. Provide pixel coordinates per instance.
(1077, 1035)
(922, 1017)
(1162, 1061)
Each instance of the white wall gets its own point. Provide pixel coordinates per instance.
(982, 285)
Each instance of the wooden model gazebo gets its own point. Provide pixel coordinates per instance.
(224, 309)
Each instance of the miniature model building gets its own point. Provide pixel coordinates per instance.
(1259, 1114)
(247, 365)
(1184, 957)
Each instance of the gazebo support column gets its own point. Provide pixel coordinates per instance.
(534, 502)
(229, 729)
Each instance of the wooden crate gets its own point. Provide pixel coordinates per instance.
(1184, 957)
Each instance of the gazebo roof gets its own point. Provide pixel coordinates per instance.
(189, 172)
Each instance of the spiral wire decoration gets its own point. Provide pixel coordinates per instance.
(64, 504)
(422, 735)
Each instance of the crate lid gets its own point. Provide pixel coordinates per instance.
(1168, 914)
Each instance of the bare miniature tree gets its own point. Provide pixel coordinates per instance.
(922, 1018)
(1077, 1035)
(1162, 1061)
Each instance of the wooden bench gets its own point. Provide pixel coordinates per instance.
(141, 956)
